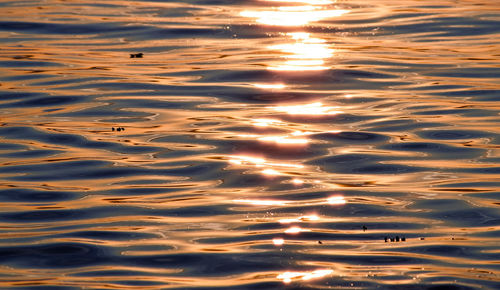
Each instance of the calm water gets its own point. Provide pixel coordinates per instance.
(254, 145)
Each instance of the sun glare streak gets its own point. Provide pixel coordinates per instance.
(270, 172)
(270, 86)
(284, 140)
(305, 218)
(287, 277)
(305, 50)
(259, 162)
(265, 122)
(293, 15)
(278, 241)
(336, 200)
(296, 230)
(262, 202)
(308, 109)
(311, 2)
(305, 53)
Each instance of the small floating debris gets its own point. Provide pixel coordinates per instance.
(136, 55)
(394, 239)
(364, 228)
(320, 242)
(119, 129)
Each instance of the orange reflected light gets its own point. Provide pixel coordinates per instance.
(305, 49)
(270, 172)
(292, 15)
(270, 86)
(297, 181)
(278, 241)
(284, 140)
(258, 162)
(261, 202)
(312, 2)
(308, 109)
(336, 200)
(305, 218)
(288, 276)
(265, 122)
(306, 53)
(296, 230)
(246, 159)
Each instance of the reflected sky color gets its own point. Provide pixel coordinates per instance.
(287, 277)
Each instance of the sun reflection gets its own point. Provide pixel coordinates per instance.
(311, 2)
(240, 160)
(287, 277)
(268, 202)
(336, 200)
(270, 172)
(295, 230)
(305, 218)
(265, 122)
(293, 15)
(308, 109)
(284, 140)
(259, 162)
(270, 86)
(304, 53)
(278, 241)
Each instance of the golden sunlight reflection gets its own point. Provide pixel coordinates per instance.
(305, 218)
(268, 202)
(278, 241)
(259, 162)
(316, 108)
(293, 15)
(311, 2)
(287, 277)
(284, 140)
(303, 53)
(270, 86)
(296, 230)
(270, 172)
(265, 122)
(336, 200)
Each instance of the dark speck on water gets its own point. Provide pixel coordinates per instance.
(249, 144)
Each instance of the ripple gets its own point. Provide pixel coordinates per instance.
(252, 156)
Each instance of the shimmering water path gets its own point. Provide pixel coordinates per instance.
(250, 144)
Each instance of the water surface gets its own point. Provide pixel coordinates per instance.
(254, 145)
